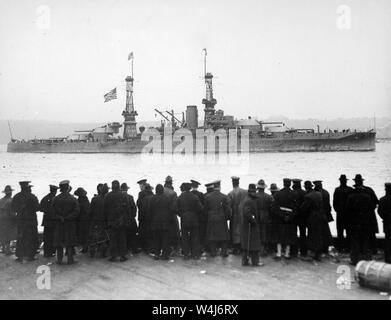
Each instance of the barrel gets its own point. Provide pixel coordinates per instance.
(375, 275)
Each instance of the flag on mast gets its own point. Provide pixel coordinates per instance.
(130, 56)
(111, 95)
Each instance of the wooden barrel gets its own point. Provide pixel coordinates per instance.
(376, 275)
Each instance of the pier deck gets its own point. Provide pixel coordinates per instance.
(141, 277)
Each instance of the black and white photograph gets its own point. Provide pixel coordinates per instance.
(194, 155)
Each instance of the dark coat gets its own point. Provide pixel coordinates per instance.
(264, 207)
(361, 211)
(141, 196)
(319, 235)
(283, 228)
(236, 197)
(219, 212)
(200, 195)
(46, 208)
(340, 198)
(7, 221)
(83, 220)
(26, 205)
(384, 212)
(97, 211)
(250, 233)
(326, 204)
(117, 208)
(161, 213)
(65, 212)
(300, 217)
(131, 221)
(189, 209)
(172, 196)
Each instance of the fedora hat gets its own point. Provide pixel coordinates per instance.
(7, 189)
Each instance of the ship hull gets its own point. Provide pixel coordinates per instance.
(316, 142)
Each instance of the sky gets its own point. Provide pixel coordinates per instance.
(300, 59)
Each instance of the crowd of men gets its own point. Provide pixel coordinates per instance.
(286, 223)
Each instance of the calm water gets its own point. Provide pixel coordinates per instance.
(87, 170)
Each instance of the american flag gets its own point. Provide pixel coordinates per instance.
(111, 95)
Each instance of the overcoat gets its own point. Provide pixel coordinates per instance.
(219, 212)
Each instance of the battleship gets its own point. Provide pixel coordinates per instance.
(260, 136)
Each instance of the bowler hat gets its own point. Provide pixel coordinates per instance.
(273, 187)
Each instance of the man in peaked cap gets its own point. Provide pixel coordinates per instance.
(340, 198)
(142, 182)
(47, 222)
(26, 205)
(236, 196)
(384, 212)
(7, 221)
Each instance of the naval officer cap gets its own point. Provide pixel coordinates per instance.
(53, 187)
(64, 183)
(317, 181)
(216, 184)
(24, 183)
(209, 185)
(195, 183)
(142, 181)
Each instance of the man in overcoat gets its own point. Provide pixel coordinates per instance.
(26, 205)
(236, 196)
(250, 236)
(219, 212)
(65, 213)
(47, 222)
